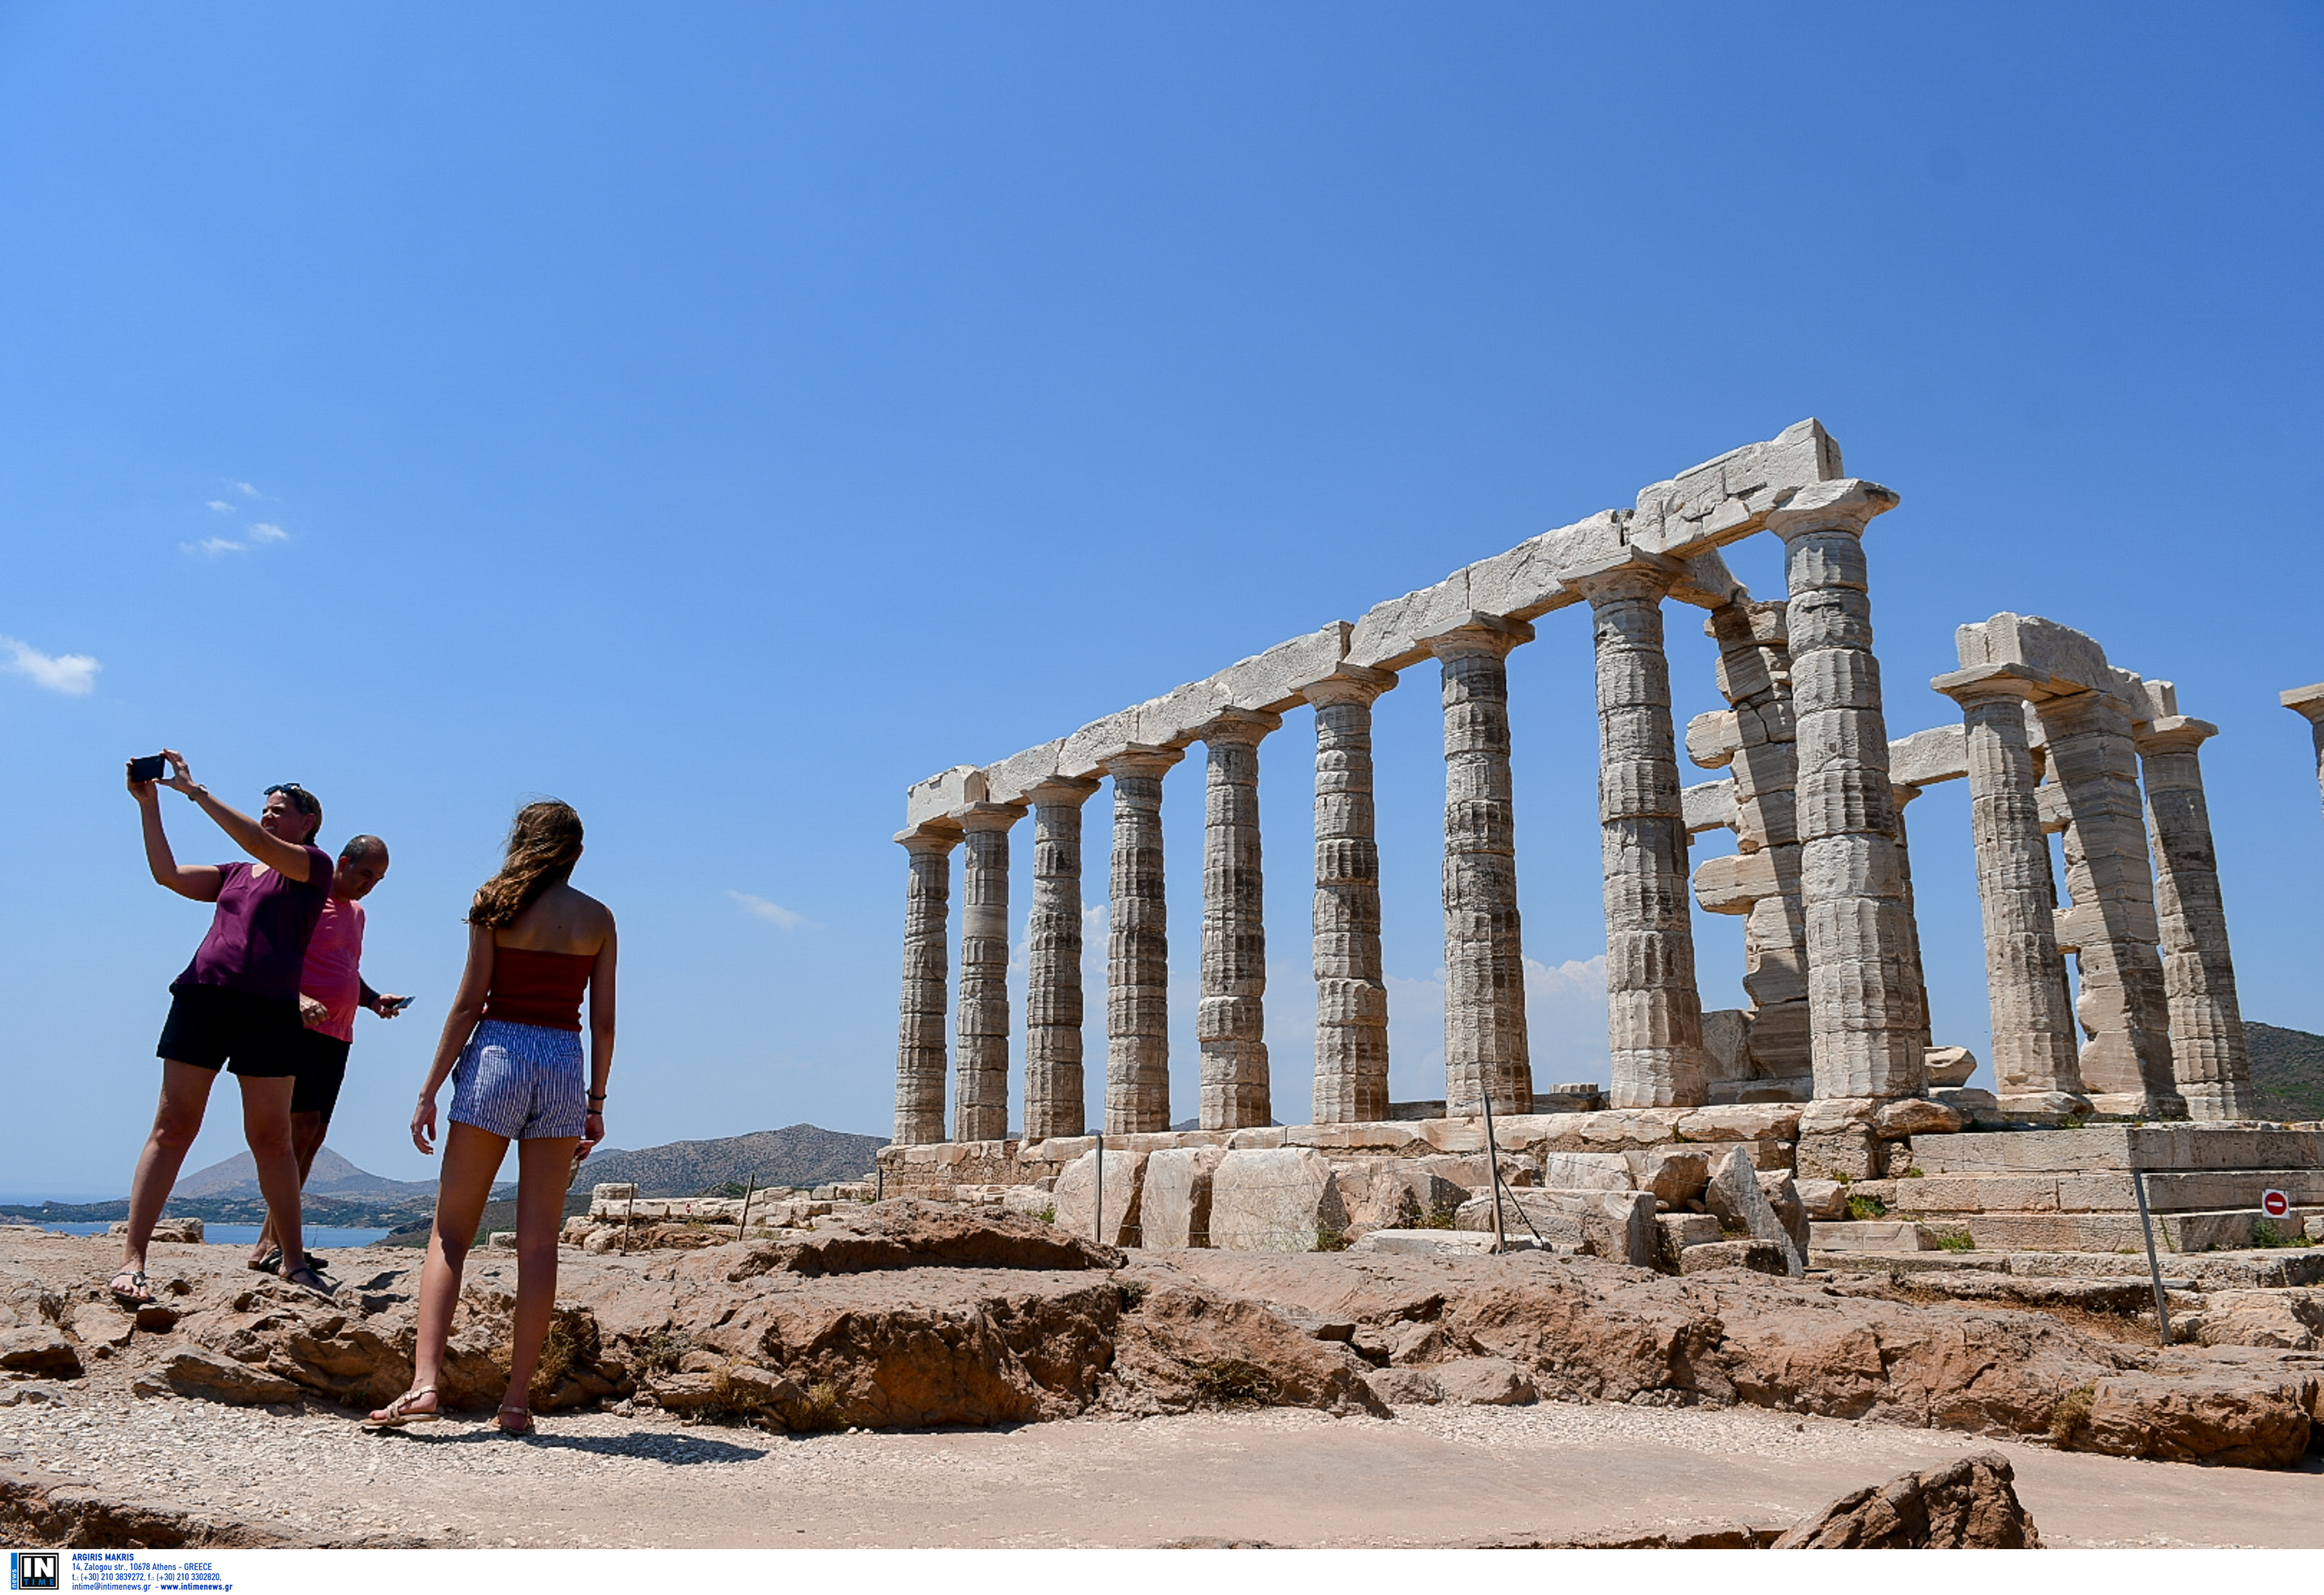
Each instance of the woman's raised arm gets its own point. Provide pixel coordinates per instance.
(286, 858)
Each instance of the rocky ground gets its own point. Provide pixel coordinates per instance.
(928, 1376)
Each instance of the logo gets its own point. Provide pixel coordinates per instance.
(33, 1569)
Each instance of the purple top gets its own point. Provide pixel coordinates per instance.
(258, 940)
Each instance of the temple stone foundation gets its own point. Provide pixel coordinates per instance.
(2109, 972)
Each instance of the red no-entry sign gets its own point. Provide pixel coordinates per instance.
(2274, 1203)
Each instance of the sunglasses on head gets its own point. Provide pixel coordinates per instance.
(283, 787)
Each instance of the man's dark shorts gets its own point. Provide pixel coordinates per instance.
(216, 1027)
(322, 1069)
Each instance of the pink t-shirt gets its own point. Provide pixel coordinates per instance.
(333, 975)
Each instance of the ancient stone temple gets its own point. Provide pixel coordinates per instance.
(2051, 738)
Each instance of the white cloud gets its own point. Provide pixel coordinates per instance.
(72, 674)
(247, 490)
(267, 531)
(789, 918)
(221, 506)
(215, 546)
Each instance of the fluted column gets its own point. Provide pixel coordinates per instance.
(1137, 950)
(1653, 1011)
(1916, 990)
(1231, 1023)
(2124, 1009)
(981, 1055)
(1862, 1019)
(1351, 991)
(920, 1034)
(1054, 1103)
(2024, 974)
(2208, 1059)
(2308, 703)
(1484, 956)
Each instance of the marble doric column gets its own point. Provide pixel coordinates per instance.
(1138, 949)
(1351, 991)
(2308, 702)
(920, 1034)
(2034, 1049)
(1863, 1021)
(1231, 1024)
(2124, 1008)
(2208, 1059)
(1053, 978)
(981, 1055)
(1917, 979)
(1653, 1013)
(1484, 956)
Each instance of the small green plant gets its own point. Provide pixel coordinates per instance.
(1439, 1217)
(1680, 1135)
(1956, 1240)
(1867, 1207)
(1133, 1294)
(822, 1405)
(2073, 1121)
(661, 1351)
(1912, 1174)
(1047, 1216)
(2071, 1411)
(2265, 1233)
(1233, 1385)
(1329, 1237)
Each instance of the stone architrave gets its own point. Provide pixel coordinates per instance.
(1485, 1043)
(920, 1032)
(1054, 1100)
(2124, 1008)
(1231, 1024)
(1653, 1011)
(2308, 703)
(1351, 988)
(2034, 1048)
(2208, 1056)
(1138, 949)
(1864, 1028)
(981, 1059)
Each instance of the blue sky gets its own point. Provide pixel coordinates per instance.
(722, 416)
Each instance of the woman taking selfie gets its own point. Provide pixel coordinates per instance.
(513, 1048)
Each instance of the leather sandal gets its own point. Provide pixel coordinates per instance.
(139, 1293)
(310, 1279)
(521, 1430)
(400, 1411)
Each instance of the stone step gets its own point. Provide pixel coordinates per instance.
(2270, 1268)
(2183, 1232)
(2107, 1191)
(1870, 1235)
(2111, 1146)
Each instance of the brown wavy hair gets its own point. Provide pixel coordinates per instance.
(544, 844)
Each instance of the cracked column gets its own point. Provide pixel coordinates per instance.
(2208, 1059)
(2124, 1008)
(1863, 1025)
(1138, 949)
(1054, 1104)
(920, 1034)
(981, 1058)
(2034, 1050)
(2308, 702)
(1484, 956)
(1653, 1013)
(1231, 1023)
(1351, 991)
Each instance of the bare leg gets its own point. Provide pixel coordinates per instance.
(472, 1157)
(266, 1126)
(185, 1095)
(544, 1169)
(307, 1132)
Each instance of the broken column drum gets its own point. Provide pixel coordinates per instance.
(1137, 950)
(2209, 1063)
(1351, 988)
(1231, 1022)
(981, 1064)
(1485, 1045)
(1054, 1086)
(920, 1028)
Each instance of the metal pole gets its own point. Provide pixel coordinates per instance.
(1098, 1225)
(742, 1217)
(1493, 1164)
(629, 1221)
(2153, 1269)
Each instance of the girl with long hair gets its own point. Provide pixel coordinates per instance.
(512, 1048)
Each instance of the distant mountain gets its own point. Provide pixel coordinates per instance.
(333, 1176)
(2287, 1071)
(802, 1154)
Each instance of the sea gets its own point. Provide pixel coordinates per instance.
(322, 1238)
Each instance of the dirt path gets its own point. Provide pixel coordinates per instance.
(1434, 1475)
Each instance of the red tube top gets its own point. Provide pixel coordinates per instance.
(540, 989)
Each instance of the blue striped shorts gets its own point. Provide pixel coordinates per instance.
(524, 1082)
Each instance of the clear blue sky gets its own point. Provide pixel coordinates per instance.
(721, 415)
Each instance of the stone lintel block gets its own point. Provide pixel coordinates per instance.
(1940, 753)
(1947, 1066)
(1728, 498)
(1754, 1121)
(1616, 564)
(1269, 682)
(1014, 777)
(1713, 738)
(1616, 1225)
(1085, 751)
(1870, 1235)
(1175, 1204)
(2306, 701)
(2057, 658)
(1258, 1139)
(1588, 1171)
(1976, 1192)
(1845, 1155)
(1704, 582)
(1274, 1199)
(1076, 1196)
(1176, 717)
(938, 797)
(1678, 1231)
(1732, 882)
(1354, 1138)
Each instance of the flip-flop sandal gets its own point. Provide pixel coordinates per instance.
(141, 1295)
(520, 1432)
(319, 1287)
(399, 1412)
(272, 1263)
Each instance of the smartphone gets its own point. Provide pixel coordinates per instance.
(400, 1004)
(149, 769)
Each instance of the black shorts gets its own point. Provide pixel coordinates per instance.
(322, 1069)
(214, 1026)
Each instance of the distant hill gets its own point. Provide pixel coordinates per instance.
(2287, 1071)
(802, 1154)
(334, 1177)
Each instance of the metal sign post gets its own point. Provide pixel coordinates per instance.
(1493, 1164)
(2153, 1269)
(1098, 1225)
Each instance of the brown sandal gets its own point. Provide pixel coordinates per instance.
(521, 1430)
(400, 1411)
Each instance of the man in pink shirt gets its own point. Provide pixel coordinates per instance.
(330, 988)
